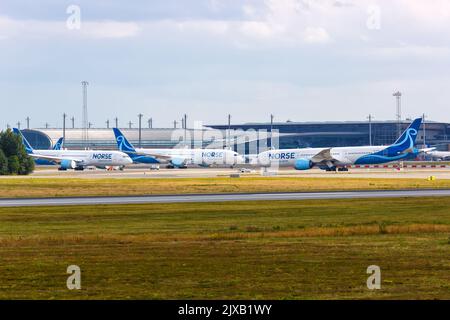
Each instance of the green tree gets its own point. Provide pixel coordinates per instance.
(13, 165)
(10, 143)
(26, 164)
(13, 157)
(3, 163)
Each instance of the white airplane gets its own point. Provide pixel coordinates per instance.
(438, 155)
(332, 159)
(179, 158)
(77, 159)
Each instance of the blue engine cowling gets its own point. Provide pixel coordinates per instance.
(303, 164)
(178, 162)
(68, 164)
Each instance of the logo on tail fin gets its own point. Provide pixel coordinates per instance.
(123, 144)
(58, 144)
(405, 143)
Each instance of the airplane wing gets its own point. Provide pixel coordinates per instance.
(54, 159)
(177, 160)
(323, 156)
(159, 156)
(427, 150)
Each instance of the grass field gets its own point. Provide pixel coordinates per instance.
(255, 250)
(44, 187)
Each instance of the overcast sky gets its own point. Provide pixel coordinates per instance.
(301, 60)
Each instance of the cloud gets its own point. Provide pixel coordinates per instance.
(191, 26)
(316, 35)
(110, 29)
(431, 13)
(258, 29)
(11, 28)
(427, 52)
(278, 55)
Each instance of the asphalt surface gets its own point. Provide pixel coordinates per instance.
(145, 173)
(219, 197)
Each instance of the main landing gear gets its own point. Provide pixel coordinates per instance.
(339, 169)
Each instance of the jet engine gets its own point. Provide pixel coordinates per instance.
(178, 162)
(303, 164)
(67, 164)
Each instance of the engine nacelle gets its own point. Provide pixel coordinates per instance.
(68, 164)
(178, 162)
(303, 164)
(204, 165)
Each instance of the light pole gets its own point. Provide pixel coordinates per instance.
(271, 127)
(28, 122)
(18, 125)
(150, 123)
(229, 132)
(117, 122)
(185, 128)
(424, 132)
(370, 128)
(64, 128)
(107, 124)
(85, 122)
(398, 97)
(140, 128)
(130, 124)
(73, 122)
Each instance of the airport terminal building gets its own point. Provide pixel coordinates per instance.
(290, 134)
(348, 133)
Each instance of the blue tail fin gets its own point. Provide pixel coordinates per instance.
(410, 132)
(406, 141)
(122, 143)
(408, 137)
(27, 145)
(58, 144)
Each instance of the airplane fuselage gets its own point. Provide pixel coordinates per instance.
(343, 156)
(201, 157)
(439, 155)
(98, 158)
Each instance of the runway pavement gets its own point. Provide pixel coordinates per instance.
(136, 172)
(219, 197)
